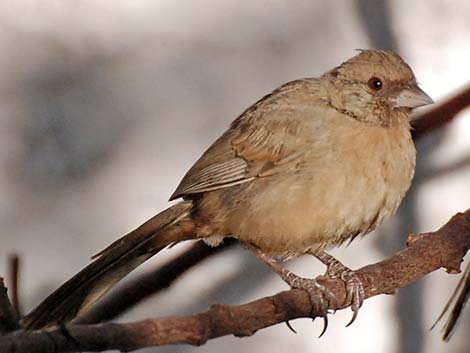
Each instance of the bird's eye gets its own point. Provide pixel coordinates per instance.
(375, 83)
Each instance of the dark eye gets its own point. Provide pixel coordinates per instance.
(375, 83)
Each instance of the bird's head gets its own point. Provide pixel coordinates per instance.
(374, 86)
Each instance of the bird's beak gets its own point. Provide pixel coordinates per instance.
(411, 97)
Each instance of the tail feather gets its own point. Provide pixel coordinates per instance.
(111, 265)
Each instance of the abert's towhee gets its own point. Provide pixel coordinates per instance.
(315, 163)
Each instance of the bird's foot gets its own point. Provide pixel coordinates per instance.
(354, 285)
(321, 298)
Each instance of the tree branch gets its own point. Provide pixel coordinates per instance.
(121, 300)
(441, 114)
(426, 252)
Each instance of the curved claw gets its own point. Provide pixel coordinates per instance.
(353, 318)
(325, 325)
(290, 326)
(320, 299)
(354, 286)
(355, 293)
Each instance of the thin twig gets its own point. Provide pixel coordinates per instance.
(426, 252)
(14, 274)
(8, 318)
(459, 297)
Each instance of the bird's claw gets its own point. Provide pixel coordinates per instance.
(355, 292)
(321, 298)
(290, 326)
(354, 286)
(325, 324)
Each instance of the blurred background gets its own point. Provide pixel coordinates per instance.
(104, 105)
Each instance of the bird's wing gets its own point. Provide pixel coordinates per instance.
(261, 142)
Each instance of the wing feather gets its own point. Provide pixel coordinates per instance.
(214, 176)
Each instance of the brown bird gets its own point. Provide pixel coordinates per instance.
(315, 163)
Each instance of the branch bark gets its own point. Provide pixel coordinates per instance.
(426, 252)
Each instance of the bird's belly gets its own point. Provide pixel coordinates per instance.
(292, 218)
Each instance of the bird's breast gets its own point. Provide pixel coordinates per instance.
(340, 189)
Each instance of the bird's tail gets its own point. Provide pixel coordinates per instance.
(111, 265)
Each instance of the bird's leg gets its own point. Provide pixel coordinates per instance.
(354, 285)
(320, 297)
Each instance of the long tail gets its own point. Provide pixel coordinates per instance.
(111, 265)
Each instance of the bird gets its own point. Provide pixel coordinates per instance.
(317, 162)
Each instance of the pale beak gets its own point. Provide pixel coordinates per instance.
(411, 97)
